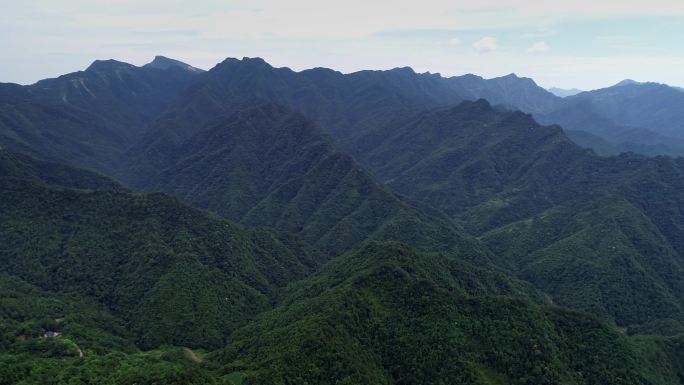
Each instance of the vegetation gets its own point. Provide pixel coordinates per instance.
(512, 256)
(386, 314)
(87, 118)
(597, 234)
(265, 166)
(172, 273)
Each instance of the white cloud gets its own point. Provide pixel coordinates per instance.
(48, 37)
(539, 47)
(486, 44)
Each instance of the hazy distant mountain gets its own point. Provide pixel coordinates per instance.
(87, 118)
(563, 93)
(510, 91)
(627, 82)
(648, 117)
(493, 169)
(162, 62)
(345, 106)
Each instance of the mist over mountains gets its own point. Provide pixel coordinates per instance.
(257, 225)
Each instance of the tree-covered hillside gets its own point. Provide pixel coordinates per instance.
(600, 234)
(265, 166)
(174, 274)
(329, 228)
(88, 118)
(386, 314)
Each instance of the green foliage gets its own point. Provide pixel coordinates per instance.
(161, 367)
(113, 271)
(601, 235)
(386, 314)
(602, 256)
(172, 273)
(265, 166)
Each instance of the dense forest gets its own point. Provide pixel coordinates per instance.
(256, 225)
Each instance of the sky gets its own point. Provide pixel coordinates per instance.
(583, 44)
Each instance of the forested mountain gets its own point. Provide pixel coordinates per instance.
(174, 274)
(112, 272)
(386, 314)
(640, 117)
(88, 118)
(342, 105)
(381, 227)
(265, 166)
(599, 234)
(510, 91)
(97, 114)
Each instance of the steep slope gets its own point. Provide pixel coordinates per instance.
(472, 160)
(349, 106)
(163, 63)
(640, 117)
(147, 270)
(124, 94)
(386, 314)
(173, 274)
(652, 106)
(27, 313)
(603, 256)
(458, 158)
(61, 133)
(580, 115)
(344, 105)
(90, 117)
(265, 166)
(510, 90)
(491, 168)
(599, 145)
(631, 116)
(19, 166)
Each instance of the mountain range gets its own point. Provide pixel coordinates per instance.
(563, 93)
(257, 225)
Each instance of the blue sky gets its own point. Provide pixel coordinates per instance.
(583, 44)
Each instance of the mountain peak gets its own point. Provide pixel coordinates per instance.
(163, 62)
(110, 64)
(245, 62)
(404, 70)
(627, 82)
(512, 77)
(255, 61)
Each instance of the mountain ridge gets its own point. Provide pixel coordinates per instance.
(381, 227)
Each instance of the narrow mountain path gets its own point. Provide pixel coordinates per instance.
(193, 356)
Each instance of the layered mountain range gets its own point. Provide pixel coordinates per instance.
(257, 225)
